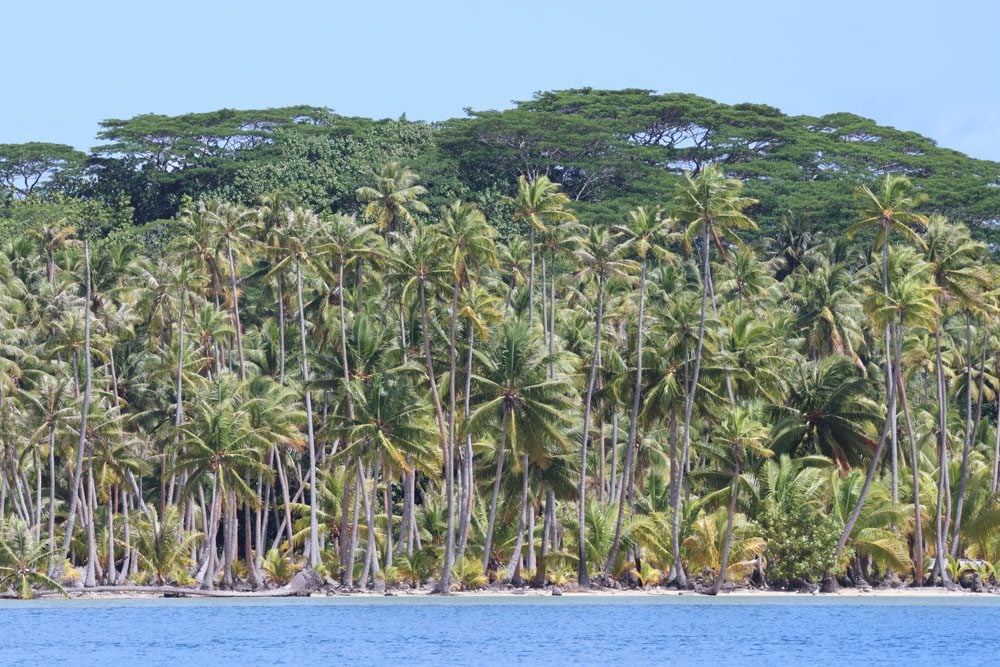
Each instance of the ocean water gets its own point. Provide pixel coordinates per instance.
(787, 630)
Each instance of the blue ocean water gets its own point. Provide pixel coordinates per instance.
(688, 630)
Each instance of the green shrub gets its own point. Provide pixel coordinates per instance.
(800, 544)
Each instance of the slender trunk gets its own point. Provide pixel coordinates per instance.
(632, 426)
(313, 521)
(969, 435)
(85, 408)
(889, 421)
(52, 499)
(90, 575)
(583, 574)
(236, 308)
(720, 578)
(514, 566)
(691, 393)
(531, 280)
(353, 535)
(444, 585)
(344, 536)
(467, 502)
(281, 329)
(918, 530)
(491, 522)
(996, 452)
(548, 516)
(942, 396)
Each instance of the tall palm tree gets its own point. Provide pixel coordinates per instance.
(891, 209)
(712, 207)
(956, 262)
(539, 203)
(468, 243)
(77, 479)
(600, 258)
(237, 227)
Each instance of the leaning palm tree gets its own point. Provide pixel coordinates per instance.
(712, 207)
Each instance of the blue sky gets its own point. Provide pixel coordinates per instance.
(926, 66)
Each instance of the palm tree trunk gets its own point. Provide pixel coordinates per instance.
(531, 280)
(728, 542)
(85, 408)
(918, 531)
(344, 535)
(52, 499)
(691, 390)
(942, 396)
(236, 308)
(281, 329)
(491, 522)
(540, 570)
(90, 576)
(872, 468)
(514, 566)
(632, 426)
(444, 585)
(465, 520)
(583, 575)
(313, 522)
(996, 454)
(889, 420)
(967, 441)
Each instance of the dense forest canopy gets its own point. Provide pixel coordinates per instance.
(608, 150)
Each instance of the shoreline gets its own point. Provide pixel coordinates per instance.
(845, 593)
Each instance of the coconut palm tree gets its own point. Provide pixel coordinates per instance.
(737, 438)
(539, 203)
(891, 210)
(22, 561)
(393, 198)
(712, 206)
(513, 393)
(600, 258)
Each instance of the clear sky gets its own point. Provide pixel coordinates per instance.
(927, 66)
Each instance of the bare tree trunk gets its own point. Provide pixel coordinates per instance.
(691, 392)
(967, 441)
(583, 574)
(236, 308)
(513, 574)
(465, 520)
(728, 543)
(444, 585)
(632, 428)
(918, 531)
(942, 395)
(491, 522)
(85, 408)
(313, 521)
